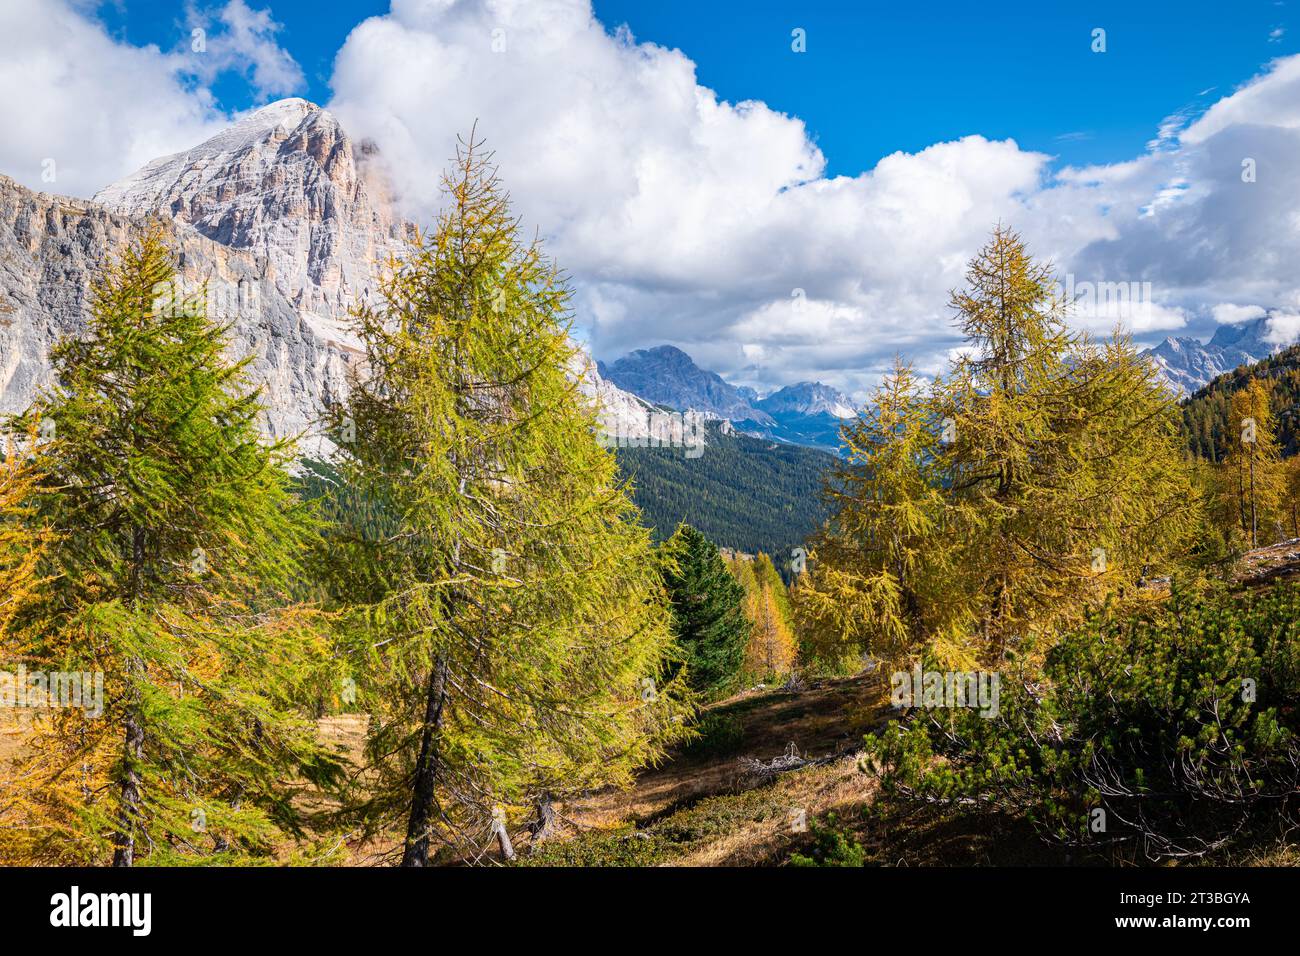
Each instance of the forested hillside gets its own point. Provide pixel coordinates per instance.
(742, 492)
(1206, 412)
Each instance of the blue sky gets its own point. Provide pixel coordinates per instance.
(880, 77)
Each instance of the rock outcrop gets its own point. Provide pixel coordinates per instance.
(51, 249)
(288, 185)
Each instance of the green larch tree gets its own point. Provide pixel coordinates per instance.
(779, 645)
(1291, 505)
(1255, 475)
(172, 572)
(21, 545)
(1066, 463)
(512, 630)
(883, 576)
(1042, 476)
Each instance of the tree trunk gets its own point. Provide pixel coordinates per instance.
(503, 838)
(132, 727)
(1254, 516)
(423, 801)
(129, 792)
(544, 826)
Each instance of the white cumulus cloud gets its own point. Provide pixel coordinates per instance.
(1228, 313)
(688, 219)
(682, 217)
(81, 108)
(237, 38)
(1283, 328)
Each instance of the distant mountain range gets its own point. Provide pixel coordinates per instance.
(806, 413)
(668, 376)
(810, 413)
(1188, 363)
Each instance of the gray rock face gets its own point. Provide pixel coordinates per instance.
(52, 248)
(627, 420)
(666, 375)
(808, 398)
(288, 184)
(287, 222)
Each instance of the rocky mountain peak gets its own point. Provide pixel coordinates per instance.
(288, 184)
(668, 376)
(1187, 363)
(288, 222)
(809, 398)
(1252, 334)
(282, 215)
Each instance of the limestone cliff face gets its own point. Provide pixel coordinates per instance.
(51, 248)
(282, 216)
(289, 185)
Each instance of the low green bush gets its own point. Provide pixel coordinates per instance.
(1173, 731)
(831, 846)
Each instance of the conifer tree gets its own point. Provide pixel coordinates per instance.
(1002, 401)
(883, 571)
(742, 568)
(1044, 474)
(768, 576)
(770, 650)
(708, 611)
(1292, 503)
(21, 547)
(511, 612)
(777, 642)
(175, 555)
(1255, 475)
(1066, 463)
(1127, 484)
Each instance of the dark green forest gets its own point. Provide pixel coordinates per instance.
(744, 493)
(1205, 413)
